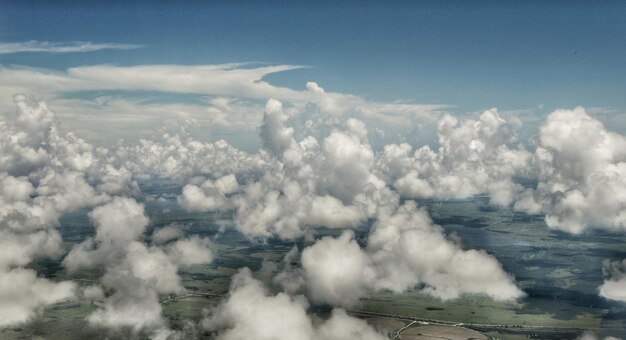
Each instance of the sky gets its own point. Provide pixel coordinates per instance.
(530, 57)
(526, 58)
(344, 103)
(505, 54)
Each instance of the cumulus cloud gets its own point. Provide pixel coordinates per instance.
(165, 234)
(614, 288)
(337, 270)
(210, 195)
(22, 294)
(404, 250)
(251, 309)
(582, 171)
(296, 183)
(473, 158)
(333, 185)
(41, 178)
(276, 137)
(183, 158)
(308, 184)
(589, 335)
(135, 273)
(281, 191)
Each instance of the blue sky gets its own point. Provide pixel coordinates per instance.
(471, 55)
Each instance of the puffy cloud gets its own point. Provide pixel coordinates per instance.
(22, 293)
(135, 273)
(120, 221)
(182, 158)
(276, 138)
(19, 249)
(165, 234)
(348, 161)
(589, 335)
(408, 239)
(473, 158)
(306, 184)
(190, 251)
(331, 212)
(404, 249)
(341, 326)
(582, 171)
(286, 274)
(337, 271)
(41, 178)
(210, 195)
(295, 184)
(250, 309)
(614, 288)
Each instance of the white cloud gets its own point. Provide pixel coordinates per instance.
(582, 174)
(251, 309)
(166, 234)
(333, 185)
(614, 288)
(404, 249)
(590, 335)
(22, 293)
(182, 157)
(235, 92)
(473, 158)
(41, 178)
(190, 251)
(306, 184)
(297, 185)
(337, 271)
(63, 47)
(134, 272)
(210, 195)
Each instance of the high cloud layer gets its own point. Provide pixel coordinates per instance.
(227, 96)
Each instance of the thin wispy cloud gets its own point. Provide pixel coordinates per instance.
(61, 47)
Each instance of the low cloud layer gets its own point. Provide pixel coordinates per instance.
(40, 180)
(582, 174)
(294, 185)
(135, 273)
(473, 158)
(334, 185)
(614, 288)
(251, 309)
(404, 250)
